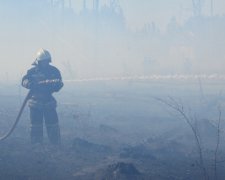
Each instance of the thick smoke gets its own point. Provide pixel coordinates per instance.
(96, 42)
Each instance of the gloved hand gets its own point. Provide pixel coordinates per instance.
(29, 84)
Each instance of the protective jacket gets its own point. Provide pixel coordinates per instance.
(42, 82)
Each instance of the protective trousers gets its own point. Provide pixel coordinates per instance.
(50, 117)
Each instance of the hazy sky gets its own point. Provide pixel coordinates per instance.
(140, 12)
(22, 34)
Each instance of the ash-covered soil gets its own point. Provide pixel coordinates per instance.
(116, 131)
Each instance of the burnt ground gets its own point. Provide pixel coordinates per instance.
(116, 130)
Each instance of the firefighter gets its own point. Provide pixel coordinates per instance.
(43, 80)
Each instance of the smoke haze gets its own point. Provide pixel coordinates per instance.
(114, 38)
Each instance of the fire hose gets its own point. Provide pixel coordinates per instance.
(17, 118)
(22, 108)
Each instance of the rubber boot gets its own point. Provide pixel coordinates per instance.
(36, 134)
(53, 132)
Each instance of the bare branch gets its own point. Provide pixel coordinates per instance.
(180, 109)
(217, 144)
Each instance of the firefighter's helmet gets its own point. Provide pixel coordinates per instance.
(42, 55)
